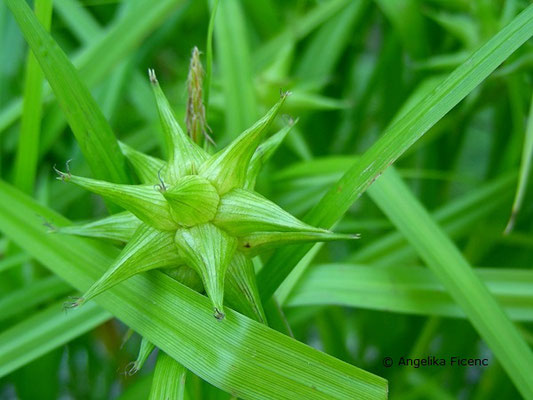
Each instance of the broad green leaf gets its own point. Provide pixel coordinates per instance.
(169, 379)
(412, 290)
(457, 276)
(92, 131)
(44, 331)
(398, 138)
(281, 367)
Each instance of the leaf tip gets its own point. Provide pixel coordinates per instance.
(73, 303)
(152, 77)
(284, 94)
(219, 315)
(510, 224)
(63, 176)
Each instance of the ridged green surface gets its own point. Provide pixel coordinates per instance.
(238, 355)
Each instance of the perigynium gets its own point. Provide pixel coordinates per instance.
(197, 215)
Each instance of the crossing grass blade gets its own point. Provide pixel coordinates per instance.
(92, 131)
(107, 47)
(327, 46)
(412, 290)
(169, 379)
(457, 276)
(398, 138)
(209, 55)
(30, 127)
(45, 331)
(78, 19)
(299, 29)
(525, 168)
(233, 56)
(13, 261)
(32, 295)
(238, 355)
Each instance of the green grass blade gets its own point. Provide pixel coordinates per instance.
(233, 56)
(169, 379)
(238, 355)
(408, 22)
(412, 290)
(525, 168)
(457, 276)
(325, 50)
(30, 125)
(12, 261)
(398, 138)
(32, 295)
(112, 45)
(209, 55)
(78, 19)
(454, 217)
(45, 331)
(122, 37)
(298, 29)
(92, 131)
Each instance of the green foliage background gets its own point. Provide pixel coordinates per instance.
(373, 82)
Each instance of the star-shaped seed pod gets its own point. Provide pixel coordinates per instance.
(197, 212)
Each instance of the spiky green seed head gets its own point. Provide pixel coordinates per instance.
(197, 211)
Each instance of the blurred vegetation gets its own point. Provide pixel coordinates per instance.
(354, 68)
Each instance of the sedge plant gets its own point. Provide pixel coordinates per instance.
(197, 215)
(374, 83)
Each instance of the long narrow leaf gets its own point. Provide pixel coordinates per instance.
(398, 138)
(457, 276)
(525, 167)
(31, 295)
(30, 126)
(411, 290)
(92, 131)
(238, 355)
(45, 331)
(233, 55)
